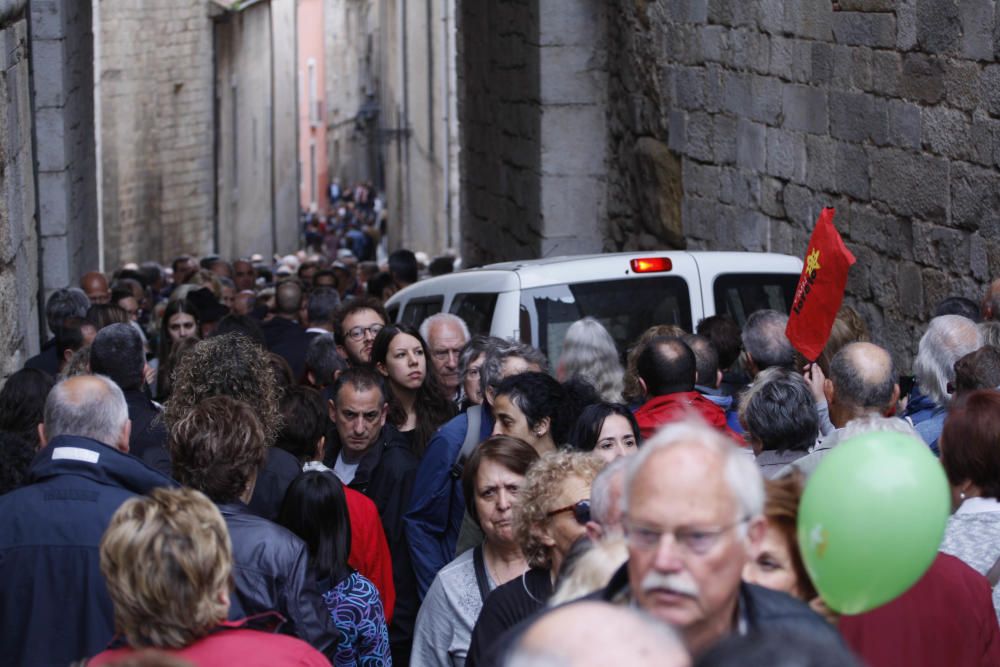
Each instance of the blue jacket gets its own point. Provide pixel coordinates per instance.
(53, 603)
(927, 417)
(437, 504)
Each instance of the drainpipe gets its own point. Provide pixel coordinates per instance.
(98, 145)
(274, 187)
(446, 106)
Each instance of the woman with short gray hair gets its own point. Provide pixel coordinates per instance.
(778, 413)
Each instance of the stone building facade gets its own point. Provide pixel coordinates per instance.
(155, 87)
(392, 112)
(257, 205)
(729, 124)
(19, 246)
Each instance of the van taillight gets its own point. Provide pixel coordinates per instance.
(651, 264)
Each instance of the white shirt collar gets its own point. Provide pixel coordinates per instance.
(978, 505)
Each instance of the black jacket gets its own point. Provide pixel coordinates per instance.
(385, 475)
(270, 570)
(148, 430)
(290, 340)
(278, 472)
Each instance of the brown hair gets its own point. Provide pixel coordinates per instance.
(633, 390)
(166, 558)
(354, 305)
(230, 365)
(513, 454)
(781, 509)
(218, 447)
(970, 441)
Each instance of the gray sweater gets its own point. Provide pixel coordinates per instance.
(974, 537)
(447, 616)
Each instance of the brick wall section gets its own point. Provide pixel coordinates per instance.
(500, 129)
(18, 238)
(156, 128)
(887, 109)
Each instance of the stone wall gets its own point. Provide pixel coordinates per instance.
(18, 235)
(156, 128)
(888, 110)
(62, 55)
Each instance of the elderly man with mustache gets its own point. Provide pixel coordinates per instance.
(693, 518)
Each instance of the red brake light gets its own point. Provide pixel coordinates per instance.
(651, 264)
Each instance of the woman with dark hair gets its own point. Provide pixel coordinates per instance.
(22, 402)
(539, 410)
(970, 454)
(315, 509)
(103, 314)
(779, 564)
(491, 481)
(417, 404)
(607, 429)
(180, 320)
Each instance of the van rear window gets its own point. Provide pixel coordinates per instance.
(740, 294)
(626, 308)
(418, 310)
(476, 310)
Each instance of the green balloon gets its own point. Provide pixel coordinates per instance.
(871, 520)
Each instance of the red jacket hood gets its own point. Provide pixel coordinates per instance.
(669, 408)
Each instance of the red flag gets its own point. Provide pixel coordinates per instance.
(820, 290)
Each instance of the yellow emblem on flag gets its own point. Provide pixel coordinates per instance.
(812, 261)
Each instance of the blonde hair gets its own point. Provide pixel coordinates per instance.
(591, 571)
(539, 494)
(167, 559)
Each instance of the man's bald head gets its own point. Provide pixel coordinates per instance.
(666, 366)
(95, 285)
(88, 406)
(288, 298)
(862, 380)
(582, 634)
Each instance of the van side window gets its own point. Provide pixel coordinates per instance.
(418, 310)
(740, 294)
(626, 308)
(476, 309)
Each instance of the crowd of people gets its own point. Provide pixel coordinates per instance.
(248, 463)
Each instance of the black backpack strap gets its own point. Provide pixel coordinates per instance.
(475, 419)
(480, 566)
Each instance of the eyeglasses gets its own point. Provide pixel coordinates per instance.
(580, 510)
(695, 541)
(357, 333)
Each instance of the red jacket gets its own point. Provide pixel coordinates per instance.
(946, 618)
(369, 550)
(230, 644)
(669, 408)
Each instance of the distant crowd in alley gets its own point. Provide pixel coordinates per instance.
(243, 461)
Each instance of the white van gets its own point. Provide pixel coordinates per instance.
(535, 301)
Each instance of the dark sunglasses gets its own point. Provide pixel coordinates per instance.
(580, 510)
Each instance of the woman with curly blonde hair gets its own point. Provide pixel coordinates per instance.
(552, 512)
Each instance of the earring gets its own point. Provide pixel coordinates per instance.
(961, 495)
